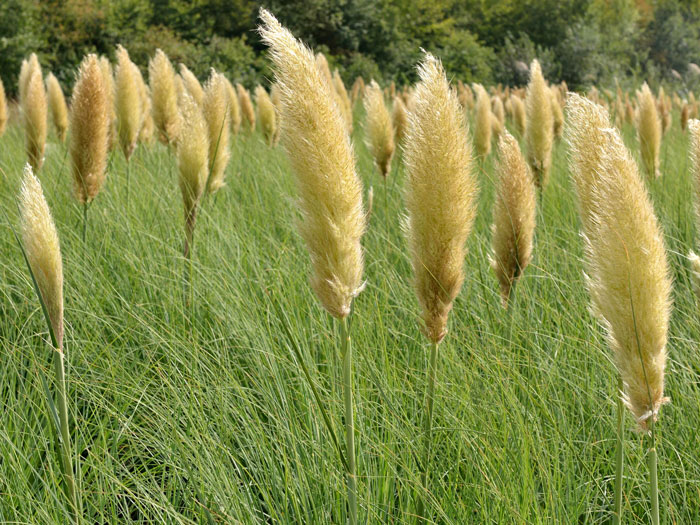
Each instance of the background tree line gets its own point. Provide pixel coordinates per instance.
(583, 42)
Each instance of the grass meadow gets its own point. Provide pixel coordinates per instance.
(201, 413)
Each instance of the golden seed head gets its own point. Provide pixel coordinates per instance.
(399, 119)
(234, 107)
(513, 216)
(648, 131)
(192, 156)
(379, 129)
(191, 84)
(127, 101)
(3, 109)
(34, 110)
(166, 114)
(58, 107)
(215, 108)
(519, 115)
(266, 114)
(246, 107)
(539, 134)
(483, 125)
(440, 195)
(319, 148)
(40, 242)
(90, 127)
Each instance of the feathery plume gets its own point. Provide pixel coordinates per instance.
(108, 81)
(57, 105)
(399, 118)
(246, 107)
(343, 99)
(321, 153)
(648, 131)
(378, 128)
(234, 107)
(323, 67)
(685, 115)
(25, 73)
(41, 246)
(483, 125)
(90, 125)
(358, 90)
(127, 102)
(191, 84)
(540, 126)
(441, 194)
(513, 216)
(193, 163)
(166, 115)
(216, 114)
(148, 127)
(557, 113)
(34, 109)
(266, 115)
(519, 116)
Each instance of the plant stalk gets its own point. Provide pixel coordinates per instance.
(65, 446)
(427, 429)
(85, 207)
(346, 354)
(619, 454)
(653, 478)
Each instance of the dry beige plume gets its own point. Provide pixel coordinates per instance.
(379, 129)
(627, 271)
(315, 137)
(466, 96)
(108, 80)
(648, 131)
(215, 108)
(90, 125)
(440, 195)
(519, 115)
(193, 163)
(513, 216)
(685, 115)
(557, 112)
(399, 118)
(34, 109)
(161, 77)
(234, 108)
(148, 127)
(539, 134)
(483, 124)
(343, 99)
(358, 90)
(191, 84)
(3, 109)
(323, 67)
(246, 107)
(276, 97)
(58, 107)
(41, 246)
(266, 115)
(127, 102)
(26, 70)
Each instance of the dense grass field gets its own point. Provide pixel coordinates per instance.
(200, 413)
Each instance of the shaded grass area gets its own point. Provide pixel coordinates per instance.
(200, 413)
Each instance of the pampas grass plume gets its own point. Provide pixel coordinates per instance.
(25, 73)
(539, 134)
(513, 216)
(166, 116)
(34, 109)
(440, 196)
(58, 107)
(191, 84)
(648, 131)
(43, 251)
(399, 118)
(90, 126)
(378, 128)
(127, 102)
(315, 137)
(246, 107)
(557, 112)
(343, 99)
(483, 125)
(215, 108)
(193, 163)
(266, 114)
(234, 107)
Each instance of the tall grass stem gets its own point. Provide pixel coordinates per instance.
(619, 453)
(346, 354)
(427, 429)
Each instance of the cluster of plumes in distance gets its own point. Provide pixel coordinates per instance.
(247, 109)
(108, 82)
(498, 116)
(315, 137)
(166, 116)
(539, 133)
(379, 128)
(234, 107)
(42, 249)
(399, 119)
(33, 102)
(191, 84)
(193, 163)
(648, 131)
(267, 116)
(627, 271)
(128, 101)
(483, 124)
(90, 129)
(58, 107)
(215, 107)
(440, 195)
(513, 216)
(694, 154)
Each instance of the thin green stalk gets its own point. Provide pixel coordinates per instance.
(386, 212)
(427, 429)
(85, 207)
(653, 478)
(128, 182)
(65, 446)
(619, 454)
(346, 354)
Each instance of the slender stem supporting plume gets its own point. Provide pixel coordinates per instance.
(428, 426)
(346, 354)
(619, 453)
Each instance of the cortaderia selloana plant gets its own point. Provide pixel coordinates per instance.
(539, 133)
(58, 107)
(648, 131)
(441, 198)
(215, 108)
(694, 154)
(626, 272)
(266, 115)
(42, 253)
(379, 129)
(166, 116)
(34, 113)
(330, 199)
